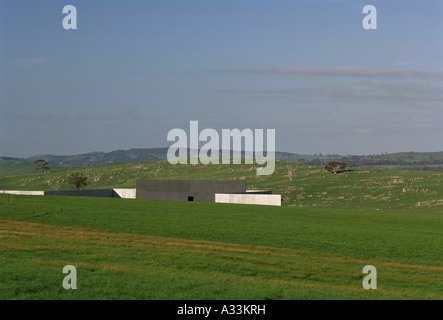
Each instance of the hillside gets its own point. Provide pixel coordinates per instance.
(417, 161)
(313, 247)
(300, 185)
(56, 162)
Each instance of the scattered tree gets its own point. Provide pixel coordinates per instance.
(78, 180)
(41, 165)
(335, 166)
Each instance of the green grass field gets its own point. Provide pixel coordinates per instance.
(313, 247)
(299, 185)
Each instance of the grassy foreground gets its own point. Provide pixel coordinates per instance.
(147, 249)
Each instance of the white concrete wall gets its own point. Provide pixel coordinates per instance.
(25, 193)
(262, 199)
(124, 193)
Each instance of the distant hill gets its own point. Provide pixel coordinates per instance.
(101, 158)
(419, 161)
(299, 184)
(9, 165)
(422, 161)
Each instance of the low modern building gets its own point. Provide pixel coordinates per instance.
(187, 190)
(226, 191)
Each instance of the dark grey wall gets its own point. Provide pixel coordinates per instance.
(201, 190)
(82, 193)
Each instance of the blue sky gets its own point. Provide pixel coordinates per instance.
(133, 70)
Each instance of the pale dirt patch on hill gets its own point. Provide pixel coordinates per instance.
(431, 203)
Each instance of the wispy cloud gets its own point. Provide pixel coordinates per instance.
(436, 58)
(397, 92)
(402, 63)
(109, 119)
(401, 91)
(28, 61)
(343, 71)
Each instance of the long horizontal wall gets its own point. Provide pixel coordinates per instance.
(103, 193)
(263, 199)
(250, 197)
(24, 193)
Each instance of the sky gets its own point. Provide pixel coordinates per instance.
(134, 70)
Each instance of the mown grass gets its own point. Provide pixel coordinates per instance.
(147, 249)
